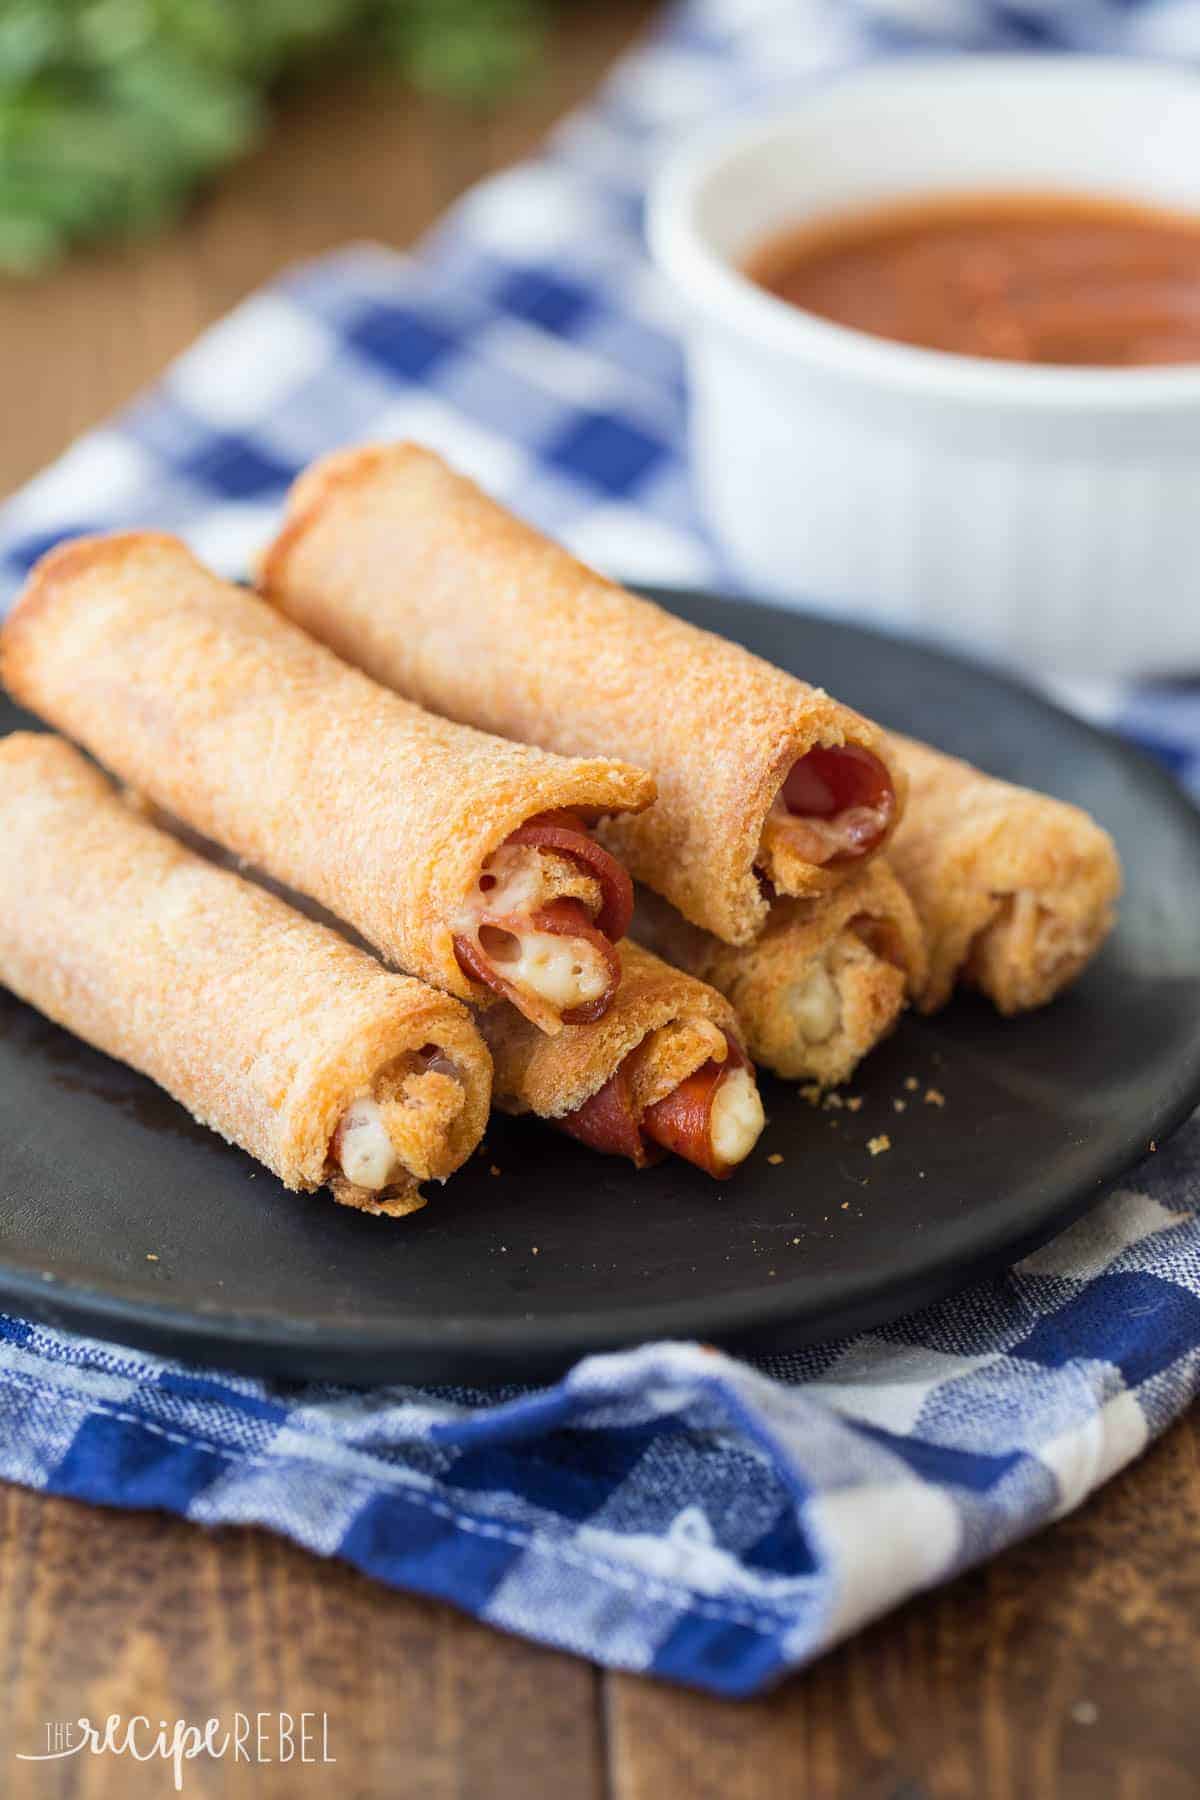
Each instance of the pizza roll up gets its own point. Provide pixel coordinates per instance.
(821, 985)
(268, 1028)
(462, 858)
(764, 784)
(1016, 891)
(662, 1072)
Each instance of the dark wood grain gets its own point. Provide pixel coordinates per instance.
(1069, 1669)
(106, 1612)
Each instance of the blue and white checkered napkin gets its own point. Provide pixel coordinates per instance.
(669, 1509)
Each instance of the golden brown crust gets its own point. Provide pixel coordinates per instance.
(395, 1204)
(554, 1076)
(198, 693)
(261, 1023)
(820, 987)
(410, 571)
(669, 1055)
(1016, 891)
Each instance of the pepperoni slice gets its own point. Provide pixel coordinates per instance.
(561, 918)
(682, 1121)
(843, 781)
(566, 833)
(607, 1122)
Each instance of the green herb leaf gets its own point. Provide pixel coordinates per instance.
(111, 111)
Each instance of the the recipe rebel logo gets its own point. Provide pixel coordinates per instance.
(263, 1737)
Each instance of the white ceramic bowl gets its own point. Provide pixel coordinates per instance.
(1049, 517)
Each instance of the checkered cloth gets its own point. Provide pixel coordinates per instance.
(668, 1509)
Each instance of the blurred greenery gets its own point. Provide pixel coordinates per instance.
(111, 111)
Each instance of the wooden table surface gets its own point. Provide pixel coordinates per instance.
(1068, 1669)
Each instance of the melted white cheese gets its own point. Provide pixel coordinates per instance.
(363, 1148)
(514, 882)
(815, 1005)
(737, 1117)
(564, 971)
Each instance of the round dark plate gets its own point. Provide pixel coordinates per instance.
(538, 1251)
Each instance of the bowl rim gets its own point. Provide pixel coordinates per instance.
(715, 287)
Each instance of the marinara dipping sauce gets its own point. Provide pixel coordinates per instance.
(1038, 278)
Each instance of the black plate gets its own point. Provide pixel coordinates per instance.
(512, 1273)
